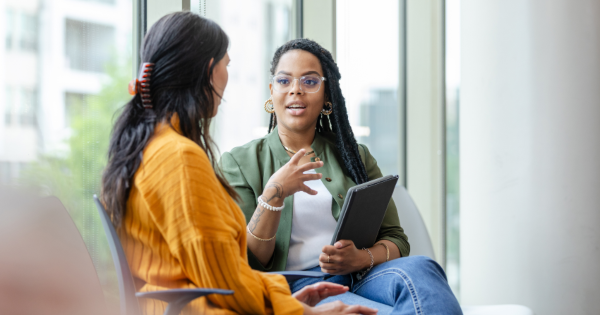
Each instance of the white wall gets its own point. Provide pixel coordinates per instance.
(530, 154)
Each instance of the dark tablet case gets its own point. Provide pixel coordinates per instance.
(363, 211)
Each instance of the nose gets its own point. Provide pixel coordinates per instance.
(296, 89)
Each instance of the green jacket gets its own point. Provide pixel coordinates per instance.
(249, 167)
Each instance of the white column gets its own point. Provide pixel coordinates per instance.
(530, 154)
(425, 132)
(319, 23)
(155, 9)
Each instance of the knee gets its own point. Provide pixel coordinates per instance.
(421, 261)
(421, 266)
(411, 261)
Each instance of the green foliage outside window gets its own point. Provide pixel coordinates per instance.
(75, 177)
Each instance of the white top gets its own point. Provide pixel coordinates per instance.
(312, 226)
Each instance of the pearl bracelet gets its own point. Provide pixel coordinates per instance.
(258, 238)
(268, 206)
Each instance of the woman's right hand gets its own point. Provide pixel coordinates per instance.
(338, 307)
(289, 179)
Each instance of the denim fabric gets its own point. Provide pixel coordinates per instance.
(410, 285)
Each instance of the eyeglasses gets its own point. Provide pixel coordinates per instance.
(309, 84)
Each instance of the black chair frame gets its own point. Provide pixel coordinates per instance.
(177, 299)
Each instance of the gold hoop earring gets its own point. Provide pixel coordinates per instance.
(269, 107)
(328, 111)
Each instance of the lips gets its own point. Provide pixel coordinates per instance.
(295, 108)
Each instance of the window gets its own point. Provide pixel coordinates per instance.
(371, 91)
(452, 145)
(379, 127)
(10, 27)
(255, 29)
(20, 107)
(27, 108)
(8, 106)
(56, 121)
(21, 30)
(88, 45)
(74, 105)
(29, 32)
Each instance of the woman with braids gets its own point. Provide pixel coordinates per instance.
(176, 218)
(290, 230)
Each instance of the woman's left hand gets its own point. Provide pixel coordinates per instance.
(315, 293)
(343, 258)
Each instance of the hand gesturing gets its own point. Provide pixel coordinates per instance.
(290, 179)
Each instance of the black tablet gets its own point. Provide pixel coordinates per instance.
(363, 211)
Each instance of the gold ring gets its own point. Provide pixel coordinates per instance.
(327, 258)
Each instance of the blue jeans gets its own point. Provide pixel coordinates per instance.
(410, 285)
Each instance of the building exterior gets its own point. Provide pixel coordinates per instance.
(380, 113)
(52, 57)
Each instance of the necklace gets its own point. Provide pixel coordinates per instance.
(294, 152)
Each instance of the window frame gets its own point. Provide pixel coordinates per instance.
(421, 101)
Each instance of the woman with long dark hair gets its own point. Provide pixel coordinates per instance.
(176, 216)
(290, 230)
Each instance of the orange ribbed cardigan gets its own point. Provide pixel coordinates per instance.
(182, 230)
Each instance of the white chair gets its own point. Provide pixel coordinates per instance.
(420, 244)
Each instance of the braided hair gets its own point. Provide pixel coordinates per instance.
(337, 122)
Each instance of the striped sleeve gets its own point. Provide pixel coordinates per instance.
(200, 224)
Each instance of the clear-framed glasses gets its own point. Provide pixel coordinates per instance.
(282, 83)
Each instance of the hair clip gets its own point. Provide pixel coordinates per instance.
(142, 84)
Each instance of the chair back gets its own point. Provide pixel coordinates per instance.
(129, 302)
(45, 267)
(412, 223)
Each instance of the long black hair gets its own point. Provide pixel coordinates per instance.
(181, 46)
(337, 122)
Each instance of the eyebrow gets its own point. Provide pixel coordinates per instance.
(305, 73)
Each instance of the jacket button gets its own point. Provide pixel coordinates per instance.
(340, 195)
(328, 179)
